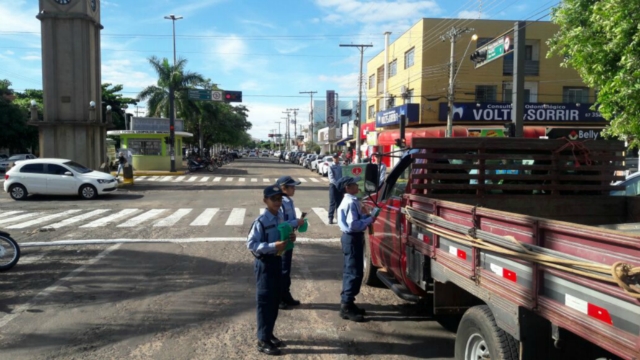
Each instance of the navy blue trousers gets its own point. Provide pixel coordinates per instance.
(352, 271)
(335, 198)
(268, 279)
(285, 285)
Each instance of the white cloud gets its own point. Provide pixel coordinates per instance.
(263, 117)
(349, 11)
(9, 52)
(258, 23)
(19, 16)
(345, 85)
(250, 85)
(31, 57)
(472, 14)
(194, 6)
(121, 72)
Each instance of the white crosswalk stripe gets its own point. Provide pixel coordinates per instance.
(9, 213)
(192, 179)
(142, 218)
(19, 217)
(152, 178)
(254, 180)
(166, 178)
(243, 179)
(236, 217)
(315, 180)
(303, 180)
(139, 178)
(266, 180)
(78, 218)
(298, 213)
(204, 179)
(217, 179)
(205, 218)
(43, 219)
(325, 179)
(109, 219)
(179, 179)
(322, 214)
(229, 179)
(173, 218)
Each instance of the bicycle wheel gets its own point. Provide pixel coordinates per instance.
(9, 253)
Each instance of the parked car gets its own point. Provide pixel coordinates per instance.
(277, 153)
(265, 153)
(310, 158)
(3, 157)
(631, 184)
(6, 163)
(252, 153)
(314, 164)
(56, 177)
(323, 166)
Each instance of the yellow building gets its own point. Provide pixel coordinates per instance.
(419, 74)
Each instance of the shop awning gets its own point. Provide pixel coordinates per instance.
(343, 141)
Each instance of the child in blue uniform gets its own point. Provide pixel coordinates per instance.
(288, 212)
(265, 243)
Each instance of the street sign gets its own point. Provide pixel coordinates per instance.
(493, 50)
(205, 95)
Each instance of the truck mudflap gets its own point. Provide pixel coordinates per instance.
(596, 310)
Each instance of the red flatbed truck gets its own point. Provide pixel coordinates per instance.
(510, 255)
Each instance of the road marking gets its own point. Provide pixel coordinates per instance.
(19, 217)
(325, 179)
(204, 179)
(205, 218)
(217, 179)
(243, 179)
(322, 214)
(152, 178)
(142, 218)
(192, 179)
(155, 241)
(111, 218)
(236, 217)
(139, 178)
(229, 179)
(302, 180)
(31, 259)
(298, 213)
(43, 219)
(9, 213)
(173, 218)
(254, 180)
(78, 218)
(178, 179)
(48, 291)
(166, 178)
(266, 180)
(314, 180)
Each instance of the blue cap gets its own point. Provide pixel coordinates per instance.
(272, 190)
(347, 180)
(287, 180)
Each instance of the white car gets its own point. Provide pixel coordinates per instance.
(252, 153)
(277, 153)
(56, 177)
(5, 164)
(323, 165)
(265, 153)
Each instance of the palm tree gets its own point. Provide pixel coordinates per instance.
(171, 76)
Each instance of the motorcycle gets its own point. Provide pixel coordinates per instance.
(9, 251)
(194, 165)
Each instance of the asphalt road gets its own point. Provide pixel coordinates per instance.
(189, 294)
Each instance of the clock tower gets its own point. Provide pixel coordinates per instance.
(73, 126)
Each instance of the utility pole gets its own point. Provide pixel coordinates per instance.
(452, 35)
(356, 130)
(287, 131)
(172, 99)
(310, 112)
(279, 137)
(295, 124)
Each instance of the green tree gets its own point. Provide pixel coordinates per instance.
(312, 147)
(601, 40)
(17, 135)
(157, 96)
(111, 96)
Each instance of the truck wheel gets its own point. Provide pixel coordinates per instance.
(369, 271)
(480, 338)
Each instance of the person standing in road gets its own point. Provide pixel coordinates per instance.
(264, 243)
(281, 158)
(121, 161)
(288, 212)
(353, 219)
(335, 195)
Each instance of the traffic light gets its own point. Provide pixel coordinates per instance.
(479, 56)
(233, 96)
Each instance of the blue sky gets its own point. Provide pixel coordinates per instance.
(269, 49)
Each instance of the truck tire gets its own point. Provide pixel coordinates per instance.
(369, 271)
(480, 338)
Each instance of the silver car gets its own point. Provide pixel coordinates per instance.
(6, 163)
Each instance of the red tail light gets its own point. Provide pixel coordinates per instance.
(6, 176)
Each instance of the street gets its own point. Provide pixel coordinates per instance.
(160, 270)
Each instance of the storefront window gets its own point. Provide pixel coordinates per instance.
(145, 146)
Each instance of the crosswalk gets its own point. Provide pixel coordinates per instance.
(226, 180)
(141, 218)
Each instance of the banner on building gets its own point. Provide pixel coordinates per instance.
(331, 108)
(533, 112)
(323, 136)
(392, 116)
(575, 134)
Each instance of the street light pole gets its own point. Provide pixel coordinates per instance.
(357, 124)
(295, 124)
(287, 132)
(172, 99)
(279, 137)
(310, 112)
(452, 35)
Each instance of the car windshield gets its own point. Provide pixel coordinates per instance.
(17, 157)
(77, 167)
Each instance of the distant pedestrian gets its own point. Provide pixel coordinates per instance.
(335, 195)
(353, 219)
(281, 158)
(288, 212)
(382, 168)
(121, 162)
(264, 243)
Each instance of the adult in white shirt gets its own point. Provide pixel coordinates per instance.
(382, 169)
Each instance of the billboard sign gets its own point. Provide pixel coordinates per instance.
(331, 108)
(533, 112)
(155, 124)
(392, 116)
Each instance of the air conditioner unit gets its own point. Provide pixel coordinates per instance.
(403, 89)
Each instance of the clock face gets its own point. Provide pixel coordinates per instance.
(63, 2)
(93, 5)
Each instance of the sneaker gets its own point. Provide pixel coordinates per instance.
(350, 312)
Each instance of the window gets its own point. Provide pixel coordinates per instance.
(54, 169)
(372, 111)
(578, 95)
(408, 58)
(33, 169)
(391, 101)
(486, 93)
(393, 68)
(77, 167)
(528, 52)
(145, 146)
(372, 81)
